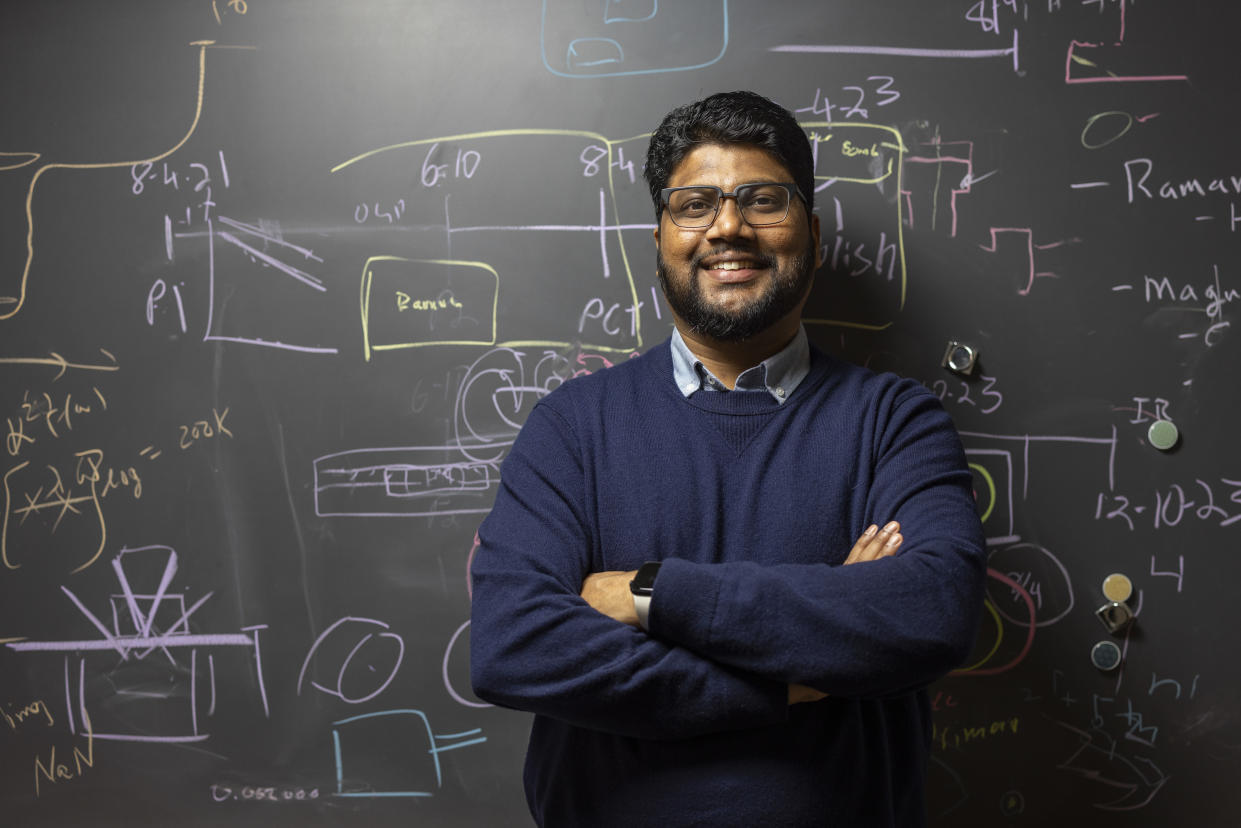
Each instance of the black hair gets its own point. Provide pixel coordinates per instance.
(730, 118)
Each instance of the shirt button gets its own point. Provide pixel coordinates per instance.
(780, 393)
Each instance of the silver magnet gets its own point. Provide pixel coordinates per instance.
(1163, 434)
(1105, 655)
(1115, 616)
(960, 358)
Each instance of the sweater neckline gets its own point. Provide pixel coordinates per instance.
(739, 403)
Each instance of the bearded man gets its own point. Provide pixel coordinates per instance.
(722, 574)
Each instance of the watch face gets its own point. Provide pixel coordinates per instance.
(644, 582)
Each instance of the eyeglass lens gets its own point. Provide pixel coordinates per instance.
(760, 204)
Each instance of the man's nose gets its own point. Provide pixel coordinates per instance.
(728, 221)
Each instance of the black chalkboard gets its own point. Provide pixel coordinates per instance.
(279, 282)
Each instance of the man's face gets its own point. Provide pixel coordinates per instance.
(732, 281)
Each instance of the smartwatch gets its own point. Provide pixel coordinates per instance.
(643, 587)
(644, 582)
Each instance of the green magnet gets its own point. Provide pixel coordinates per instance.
(1163, 434)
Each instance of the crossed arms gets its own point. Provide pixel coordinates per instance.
(609, 593)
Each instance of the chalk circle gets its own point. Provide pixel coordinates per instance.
(984, 513)
(1126, 123)
(457, 696)
(977, 669)
(1027, 558)
(999, 637)
(1012, 803)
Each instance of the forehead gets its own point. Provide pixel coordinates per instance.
(727, 165)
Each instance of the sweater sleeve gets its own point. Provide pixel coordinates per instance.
(536, 645)
(864, 630)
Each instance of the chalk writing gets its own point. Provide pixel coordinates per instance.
(464, 166)
(1036, 574)
(196, 175)
(1160, 409)
(1211, 300)
(55, 773)
(35, 711)
(49, 412)
(1138, 172)
(853, 101)
(204, 429)
(63, 494)
(958, 392)
(259, 793)
(945, 736)
(1170, 506)
(236, 7)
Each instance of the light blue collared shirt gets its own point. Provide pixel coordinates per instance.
(779, 374)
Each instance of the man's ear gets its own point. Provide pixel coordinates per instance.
(656, 234)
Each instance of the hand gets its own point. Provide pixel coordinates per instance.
(876, 543)
(608, 592)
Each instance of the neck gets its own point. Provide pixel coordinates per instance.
(727, 359)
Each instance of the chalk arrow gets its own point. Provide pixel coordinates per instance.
(61, 363)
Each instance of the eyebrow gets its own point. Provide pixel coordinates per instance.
(735, 186)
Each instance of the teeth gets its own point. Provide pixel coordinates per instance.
(732, 266)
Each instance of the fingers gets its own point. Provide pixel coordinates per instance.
(876, 543)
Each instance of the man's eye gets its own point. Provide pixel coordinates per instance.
(696, 205)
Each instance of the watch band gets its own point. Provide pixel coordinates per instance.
(643, 587)
(642, 606)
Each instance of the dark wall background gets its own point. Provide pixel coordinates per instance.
(282, 279)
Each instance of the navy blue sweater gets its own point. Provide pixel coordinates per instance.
(752, 506)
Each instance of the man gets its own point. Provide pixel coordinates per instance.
(748, 677)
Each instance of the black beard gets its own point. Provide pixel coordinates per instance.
(783, 293)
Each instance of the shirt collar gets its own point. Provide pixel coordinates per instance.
(779, 374)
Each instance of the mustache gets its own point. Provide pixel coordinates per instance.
(762, 259)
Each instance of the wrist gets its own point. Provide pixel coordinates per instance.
(643, 589)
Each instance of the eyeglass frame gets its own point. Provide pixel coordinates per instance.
(666, 194)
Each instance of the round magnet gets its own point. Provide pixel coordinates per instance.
(1117, 587)
(1105, 655)
(1163, 434)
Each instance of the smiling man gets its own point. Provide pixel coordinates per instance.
(684, 575)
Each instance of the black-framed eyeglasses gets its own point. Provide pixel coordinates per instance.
(695, 207)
